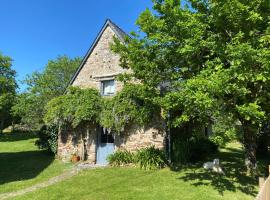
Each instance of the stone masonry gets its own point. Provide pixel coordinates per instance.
(81, 142)
(103, 64)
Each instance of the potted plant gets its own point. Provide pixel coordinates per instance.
(75, 158)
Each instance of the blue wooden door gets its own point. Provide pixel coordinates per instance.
(105, 146)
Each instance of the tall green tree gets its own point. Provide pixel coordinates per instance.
(7, 89)
(214, 56)
(44, 86)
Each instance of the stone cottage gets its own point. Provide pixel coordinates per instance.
(99, 69)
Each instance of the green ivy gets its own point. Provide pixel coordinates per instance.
(134, 104)
(74, 107)
(48, 136)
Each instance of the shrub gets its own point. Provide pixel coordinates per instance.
(223, 138)
(120, 158)
(201, 148)
(48, 136)
(180, 151)
(264, 140)
(224, 130)
(146, 158)
(74, 107)
(218, 140)
(191, 149)
(150, 158)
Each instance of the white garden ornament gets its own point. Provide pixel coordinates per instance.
(214, 166)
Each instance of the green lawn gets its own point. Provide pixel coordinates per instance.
(22, 164)
(131, 183)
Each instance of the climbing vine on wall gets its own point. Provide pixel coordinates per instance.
(134, 104)
(74, 107)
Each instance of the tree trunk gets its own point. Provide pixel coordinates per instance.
(1, 126)
(250, 143)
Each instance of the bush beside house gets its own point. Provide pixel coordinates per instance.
(147, 158)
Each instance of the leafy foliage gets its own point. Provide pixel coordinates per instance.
(7, 90)
(224, 130)
(191, 148)
(180, 150)
(29, 108)
(150, 158)
(121, 158)
(264, 140)
(215, 56)
(54, 79)
(201, 148)
(146, 158)
(222, 138)
(42, 87)
(75, 107)
(132, 105)
(48, 138)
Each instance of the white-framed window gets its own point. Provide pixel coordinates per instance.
(107, 87)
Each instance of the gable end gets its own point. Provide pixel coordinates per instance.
(119, 33)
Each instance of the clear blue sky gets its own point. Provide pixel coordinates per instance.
(34, 31)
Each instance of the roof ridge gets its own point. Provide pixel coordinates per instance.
(118, 31)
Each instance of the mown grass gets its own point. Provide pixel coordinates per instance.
(186, 183)
(22, 164)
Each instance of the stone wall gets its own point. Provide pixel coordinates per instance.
(135, 137)
(81, 142)
(68, 143)
(102, 64)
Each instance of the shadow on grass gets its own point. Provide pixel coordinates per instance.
(18, 166)
(13, 137)
(232, 162)
(23, 165)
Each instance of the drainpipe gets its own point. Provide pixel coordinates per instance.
(169, 146)
(169, 138)
(164, 87)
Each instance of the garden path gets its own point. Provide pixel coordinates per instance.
(67, 174)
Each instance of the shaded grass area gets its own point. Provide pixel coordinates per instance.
(235, 179)
(189, 182)
(22, 164)
(14, 137)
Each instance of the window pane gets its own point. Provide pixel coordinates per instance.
(108, 87)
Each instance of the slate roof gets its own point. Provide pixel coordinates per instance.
(118, 31)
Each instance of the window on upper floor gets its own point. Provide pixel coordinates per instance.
(107, 87)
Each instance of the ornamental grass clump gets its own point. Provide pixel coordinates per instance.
(121, 158)
(150, 158)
